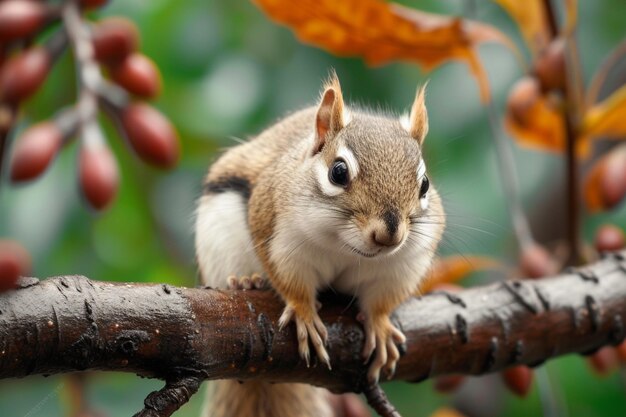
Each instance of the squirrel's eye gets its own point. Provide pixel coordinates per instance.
(424, 187)
(338, 173)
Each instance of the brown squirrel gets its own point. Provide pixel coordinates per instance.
(327, 197)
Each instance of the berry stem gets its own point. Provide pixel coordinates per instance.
(509, 180)
(570, 115)
(89, 75)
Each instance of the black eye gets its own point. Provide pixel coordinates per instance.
(424, 187)
(338, 173)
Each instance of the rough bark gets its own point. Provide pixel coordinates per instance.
(185, 335)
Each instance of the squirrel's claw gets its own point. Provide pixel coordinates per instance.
(381, 336)
(308, 329)
(285, 317)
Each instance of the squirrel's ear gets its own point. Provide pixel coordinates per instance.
(330, 113)
(418, 119)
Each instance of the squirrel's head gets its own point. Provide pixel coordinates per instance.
(369, 171)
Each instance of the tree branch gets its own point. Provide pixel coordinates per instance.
(183, 335)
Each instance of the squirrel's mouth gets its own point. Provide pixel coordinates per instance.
(364, 254)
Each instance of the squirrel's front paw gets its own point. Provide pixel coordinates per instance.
(381, 336)
(245, 282)
(308, 326)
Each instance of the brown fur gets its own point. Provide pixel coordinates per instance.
(258, 399)
(419, 116)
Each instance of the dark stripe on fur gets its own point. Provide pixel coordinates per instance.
(222, 185)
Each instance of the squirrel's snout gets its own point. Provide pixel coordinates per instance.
(384, 238)
(388, 230)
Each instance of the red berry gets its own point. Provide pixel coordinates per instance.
(518, 379)
(523, 96)
(138, 74)
(34, 150)
(151, 135)
(536, 262)
(604, 361)
(605, 183)
(98, 175)
(14, 262)
(609, 238)
(550, 66)
(448, 383)
(20, 18)
(23, 74)
(614, 181)
(114, 39)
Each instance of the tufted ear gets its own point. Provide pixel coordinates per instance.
(418, 118)
(330, 113)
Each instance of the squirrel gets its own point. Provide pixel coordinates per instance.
(330, 196)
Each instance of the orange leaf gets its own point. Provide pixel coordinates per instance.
(381, 32)
(605, 185)
(531, 19)
(607, 118)
(446, 412)
(532, 119)
(453, 268)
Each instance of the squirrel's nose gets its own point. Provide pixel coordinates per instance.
(384, 238)
(388, 229)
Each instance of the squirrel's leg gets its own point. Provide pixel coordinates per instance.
(381, 336)
(301, 306)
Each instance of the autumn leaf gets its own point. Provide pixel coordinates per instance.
(535, 120)
(605, 184)
(607, 118)
(531, 20)
(453, 268)
(381, 32)
(532, 119)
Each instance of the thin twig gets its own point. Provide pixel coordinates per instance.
(377, 399)
(506, 167)
(90, 77)
(573, 219)
(570, 120)
(166, 401)
(509, 181)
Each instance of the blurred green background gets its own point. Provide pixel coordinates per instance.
(228, 72)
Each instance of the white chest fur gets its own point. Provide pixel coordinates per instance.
(317, 254)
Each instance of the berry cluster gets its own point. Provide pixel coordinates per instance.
(113, 76)
(532, 108)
